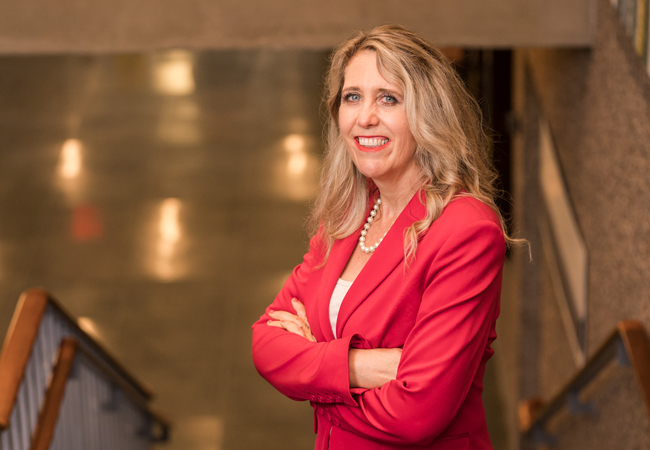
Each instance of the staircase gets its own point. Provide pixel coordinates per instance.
(60, 390)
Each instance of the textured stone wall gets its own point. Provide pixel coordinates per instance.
(597, 103)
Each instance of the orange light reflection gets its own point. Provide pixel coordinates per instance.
(167, 262)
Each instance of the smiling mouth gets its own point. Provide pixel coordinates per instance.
(371, 142)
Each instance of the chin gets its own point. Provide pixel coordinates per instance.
(370, 173)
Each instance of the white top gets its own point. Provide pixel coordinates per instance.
(340, 290)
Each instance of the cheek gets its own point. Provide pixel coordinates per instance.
(408, 136)
(402, 127)
(408, 144)
(397, 122)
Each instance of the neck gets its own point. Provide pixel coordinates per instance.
(395, 196)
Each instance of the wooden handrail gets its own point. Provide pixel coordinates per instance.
(629, 342)
(17, 348)
(20, 340)
(49, 412)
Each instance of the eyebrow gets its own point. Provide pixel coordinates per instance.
(381, 91)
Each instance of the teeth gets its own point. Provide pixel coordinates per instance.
(372, 142)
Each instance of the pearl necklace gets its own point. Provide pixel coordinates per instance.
(366, 226)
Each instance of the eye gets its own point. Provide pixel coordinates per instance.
(388, 99)
(351, 97)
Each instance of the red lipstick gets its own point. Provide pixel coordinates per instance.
(370, 149)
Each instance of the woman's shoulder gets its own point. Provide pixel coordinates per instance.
(465, 211)
(466, 208)
(466, 222)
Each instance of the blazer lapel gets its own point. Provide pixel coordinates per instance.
(387, 256)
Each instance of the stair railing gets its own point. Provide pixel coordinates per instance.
(104, 406)
(628, 344)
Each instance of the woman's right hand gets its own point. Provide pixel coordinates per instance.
(293, 323)
(372, 368)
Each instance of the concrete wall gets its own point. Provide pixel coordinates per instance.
(597, 103)
(63, 26)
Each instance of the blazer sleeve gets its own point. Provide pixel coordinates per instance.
(442, 353)
(298, 368)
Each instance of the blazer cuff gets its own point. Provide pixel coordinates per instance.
(336, 371)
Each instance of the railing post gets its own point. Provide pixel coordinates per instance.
(49, 413)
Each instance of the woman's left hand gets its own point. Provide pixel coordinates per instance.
(296, 324)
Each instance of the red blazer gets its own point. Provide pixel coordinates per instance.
(441, 310)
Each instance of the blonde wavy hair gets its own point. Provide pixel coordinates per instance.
(453, 151)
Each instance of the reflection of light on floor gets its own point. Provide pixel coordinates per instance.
(297, 164)
(199, 433)
(70, 159)
(69, 171)
(169, 228)
(297, 176)
(294, 143)
(174, 73)
(166, 261)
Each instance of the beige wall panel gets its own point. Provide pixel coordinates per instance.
(41, 26)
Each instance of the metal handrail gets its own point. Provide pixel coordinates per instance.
(628, 343)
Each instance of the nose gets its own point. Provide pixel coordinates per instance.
(368, 115)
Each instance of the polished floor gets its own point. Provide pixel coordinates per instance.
(162, 198)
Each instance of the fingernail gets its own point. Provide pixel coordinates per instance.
(294, 299)
(269, 321)
(271, 311)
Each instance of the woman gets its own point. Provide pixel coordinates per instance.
(386, 326)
